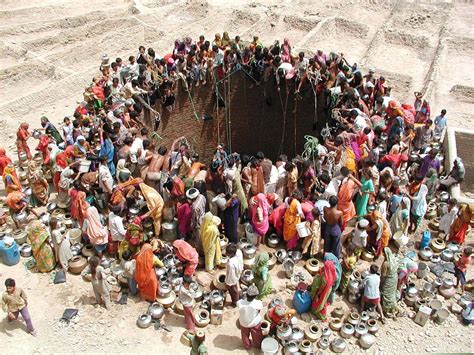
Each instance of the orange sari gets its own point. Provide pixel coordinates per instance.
(145, 273)
(291, 220)
(345, 204)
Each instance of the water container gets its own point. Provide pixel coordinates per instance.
(303, 230)
(2, 247)
(11, 255)
(302, 301)
(425, 239)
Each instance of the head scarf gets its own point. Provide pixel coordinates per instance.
(391, 260)
(4, 160)
(337, 265)
(96, 232)
(419, 202)
(185, 252)
(10, 172)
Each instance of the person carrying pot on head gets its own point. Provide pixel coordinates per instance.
(250, 319)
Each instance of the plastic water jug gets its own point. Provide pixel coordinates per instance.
(11, 255)
(425, 239)
(301, 301)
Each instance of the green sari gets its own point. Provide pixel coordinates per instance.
(389, 285)
(42, 251)
(261, 275)
(363, 197)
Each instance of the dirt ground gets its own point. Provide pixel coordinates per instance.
(50, 50)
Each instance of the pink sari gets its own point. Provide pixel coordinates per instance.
(96, 232)
(276, 219)
(259, 223)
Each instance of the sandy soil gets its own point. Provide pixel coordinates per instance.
(49, 51)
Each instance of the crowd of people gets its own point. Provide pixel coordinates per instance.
(371, 177)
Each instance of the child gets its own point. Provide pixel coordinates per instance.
(359, 237)
(197, 343)
(371, 290)
(460, 267)
(184, 218)
(314, 239)
(187, 301)
(128, 266)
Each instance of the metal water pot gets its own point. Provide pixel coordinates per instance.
(156, 310)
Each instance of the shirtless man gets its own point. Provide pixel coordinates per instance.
(166, 165)
(124, 152)
(156, 161)
(332, 228)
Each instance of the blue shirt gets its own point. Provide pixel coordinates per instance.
(440, 123)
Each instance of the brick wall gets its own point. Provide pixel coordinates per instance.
(256, 123)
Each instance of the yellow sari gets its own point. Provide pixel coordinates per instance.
(210, 240)
(155, 204)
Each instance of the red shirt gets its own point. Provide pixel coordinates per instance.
(463, 262)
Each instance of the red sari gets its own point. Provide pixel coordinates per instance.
(4, 160)
(345, 204)
(276, 219)
(21, 136)
(322, 288)
(79, 205)
(145, 273)
(457, 233)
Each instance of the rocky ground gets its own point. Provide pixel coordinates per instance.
(50, 49)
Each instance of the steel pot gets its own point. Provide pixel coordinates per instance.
(50, 207)
(249, 251)
(20, 236)
(447, 292)
(156, 311)
(453, 247)
(336, 324)
(297, 334)
(353, 318)
(247, 277)
(168, 261)
(165, 289)
(105, 263)
(134, 210)
(447, 255)
(423, 270)
(273, 241)
(366, 341)
(465, 300)
(160, 271)
(428, 290)
(291, 347)
(272, 261)
(323, 343)
(175, 278)
(20, 217)
(354, 286)
(306, 347)
(144, 321)
(288, 266)
(169, 231)
(438, 245)
(25, 251)
(360, 329)
(281, 255)
(347, 331)
(326, 331)
(338, 312)
(364, 316)
(426, 253)
(284, 332)
(295, 255)
(242, 243)
(447, 282)
(338, 345)
(435, 258)
(444, 196)
(411, 291)
(45, 217)
(277, 301)
(216, 297)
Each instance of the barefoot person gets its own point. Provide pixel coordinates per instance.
(14, 302)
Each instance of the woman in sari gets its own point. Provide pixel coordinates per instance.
(38, 184)
(345, 195)
(382, 231)
(457, 233)
(79, 205)
(22, 136)
(401, 218)
(261, 275)
(321, 289)
(122, 173)
(432, 183)
(145, 273)
(366, 191)
(97, 233)
(210, 240)
(348, 265)
(259, 216)
(43, 253)
(10, 179)
(155, 204)
(286, 51)
(419, 207)
(389, 280)
(188, 256)
(81, 148)
(277, 218)
(337, 265)
(43, 148)
(4, 160)
(50, 130)
(293, 215)
(292, 177)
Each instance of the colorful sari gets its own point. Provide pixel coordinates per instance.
(145, 273)
(4, 160)
(383, 232)
(38, 184)
(42, 147)
(42, 251)
(389, 282)
(276, 219)
(321, 289)
(261, 275)
(292, 218)
(348, 266)
(345, 204)
(155, 204)
(97, 233)
(259, 214)
(21, 136)
(210, 240)
(337, 265)
(460, 225)
(363, 197)
(10, 179)
(79, 205)
(188, 255)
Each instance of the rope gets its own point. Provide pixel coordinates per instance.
(310, 148)
(191, 99)
(284, 119)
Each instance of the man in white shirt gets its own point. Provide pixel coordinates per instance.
(234, 269)
(372, 290)
(116, 228)
(187, 301)
(106, 181)
(67, 131)
(137, 145)
(250, 319)
(359, 236)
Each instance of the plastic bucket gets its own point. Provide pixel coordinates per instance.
(270, 346)
(302, 230)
